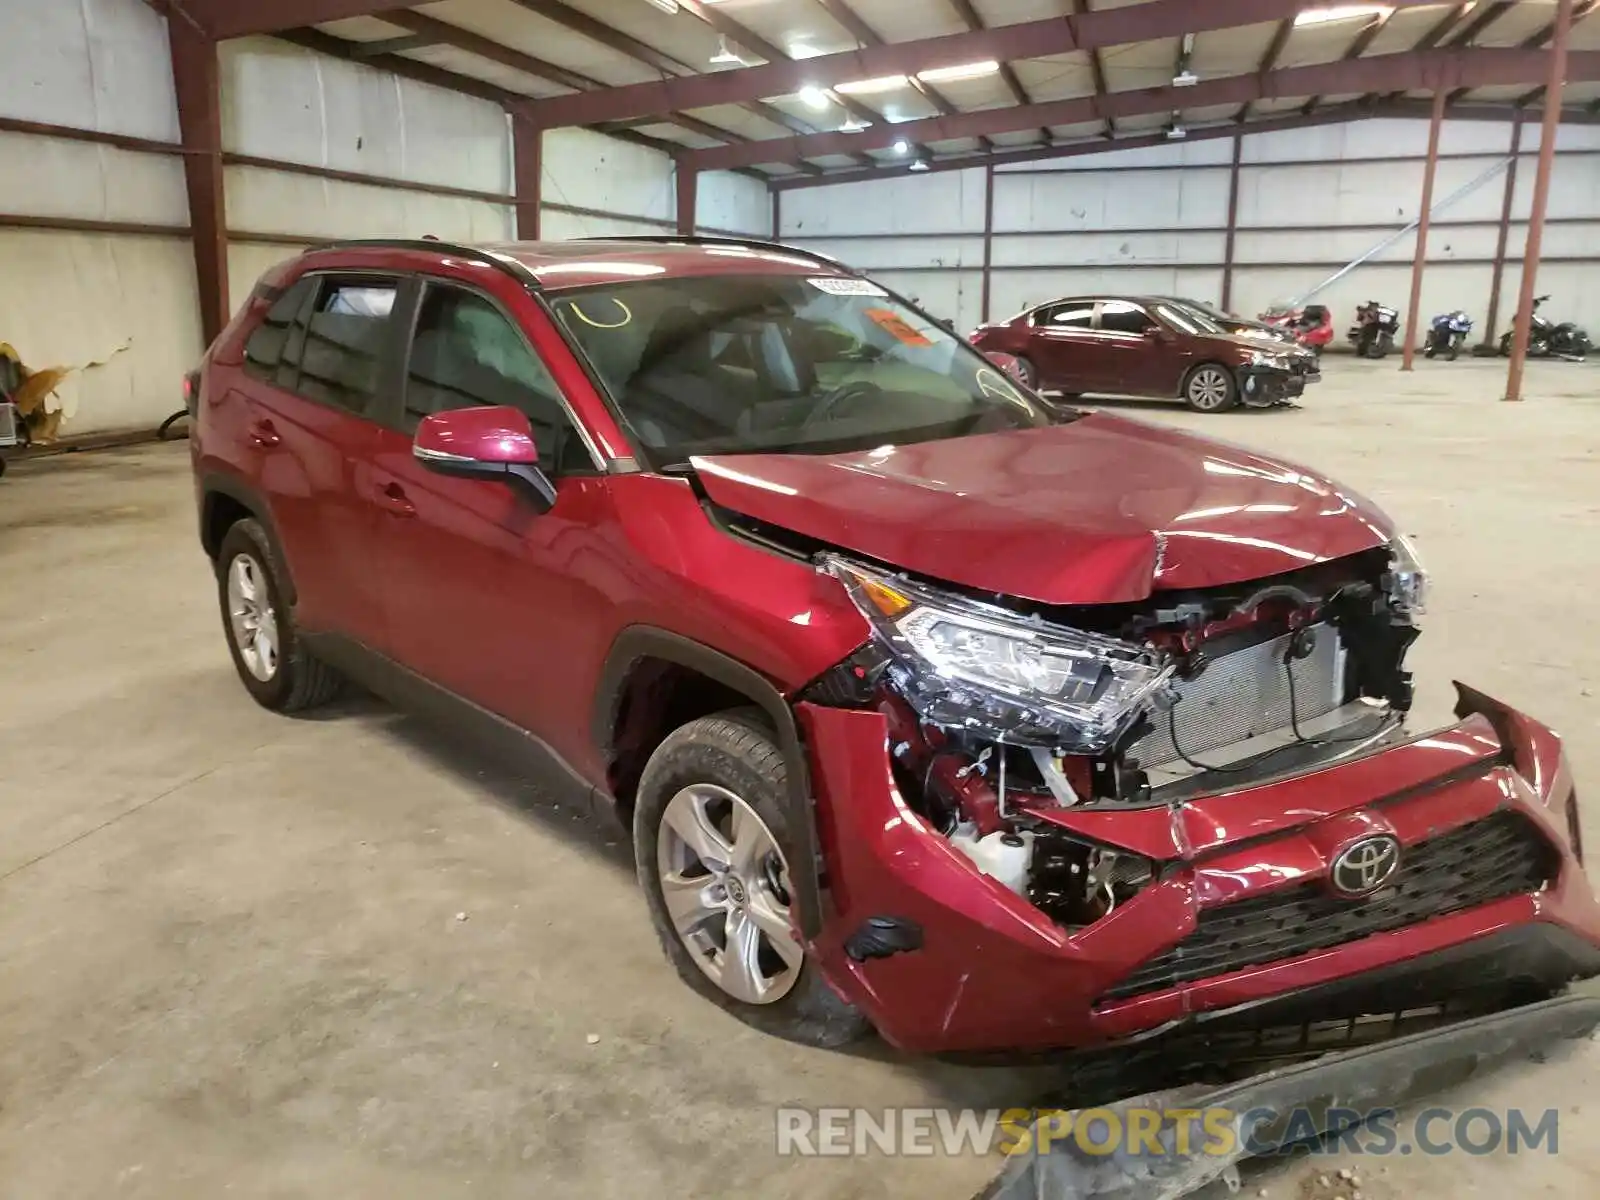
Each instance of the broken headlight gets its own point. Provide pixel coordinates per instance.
(964, 664)
(1407, 581)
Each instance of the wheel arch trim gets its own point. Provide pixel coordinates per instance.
(639, 642)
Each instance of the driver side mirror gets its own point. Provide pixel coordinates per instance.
(1157, 332)
(493, 443)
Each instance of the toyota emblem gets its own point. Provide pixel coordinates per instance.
(1366, 865)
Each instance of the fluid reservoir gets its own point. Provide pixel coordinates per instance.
(1003, 856)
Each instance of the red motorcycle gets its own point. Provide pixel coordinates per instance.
(1311, 326)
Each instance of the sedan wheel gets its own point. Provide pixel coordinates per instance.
(1210, 389)
(251, 617)
(725, 884)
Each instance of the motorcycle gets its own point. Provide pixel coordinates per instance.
(1375, 329)
(1311, 326)
(1447, 335)
(1546, 339)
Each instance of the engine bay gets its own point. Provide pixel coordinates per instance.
(1218, 689)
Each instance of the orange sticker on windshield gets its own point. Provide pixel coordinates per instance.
(892, 324)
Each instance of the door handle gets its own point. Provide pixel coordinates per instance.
(263, 433)
(393, 500)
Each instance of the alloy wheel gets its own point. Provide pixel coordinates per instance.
(251, 618)
(1208, 389)
(726, 888)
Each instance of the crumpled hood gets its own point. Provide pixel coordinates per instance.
(1102, 510)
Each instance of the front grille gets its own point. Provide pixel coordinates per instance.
(1244, 694)
(1501, 855)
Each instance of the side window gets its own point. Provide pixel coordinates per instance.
(343, 341)
(465, 353)
(263, 350)
(1119, 316)
(1073, 315)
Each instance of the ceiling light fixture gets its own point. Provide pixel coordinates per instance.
(1341, 12)
(862, 87)
(814, 97)
(920, 164)
(1176, 132)
(901, 147)
(725, 53)
(974, 70)
(667, 6)
(853, 125)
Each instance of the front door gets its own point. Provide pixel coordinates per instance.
(1131, 359)
(485, 595)
(316, 371)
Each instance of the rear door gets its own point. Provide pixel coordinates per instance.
(484, 595)
(316, 369)
(1063, 346)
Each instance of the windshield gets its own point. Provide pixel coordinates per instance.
(1188, 318)
(732, 364)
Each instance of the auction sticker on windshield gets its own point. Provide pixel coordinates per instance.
(895, 326)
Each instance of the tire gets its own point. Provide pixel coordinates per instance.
(289, 679)
(2, 468)
(714, 768)
(1429, 350)
(1029, 373)
(1454, 351)
(1210, 388)
(1505, 345)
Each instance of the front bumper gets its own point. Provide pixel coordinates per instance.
(993, 973)
(1262, 387)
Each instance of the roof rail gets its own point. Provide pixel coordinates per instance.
(667, 239)
(503, 263)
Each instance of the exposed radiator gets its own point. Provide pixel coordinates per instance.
(1243, 695)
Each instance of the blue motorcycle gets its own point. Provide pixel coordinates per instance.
(1448, 335)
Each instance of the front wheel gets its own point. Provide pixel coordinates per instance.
(1210, 388)
(1027, 373)
(713, 849)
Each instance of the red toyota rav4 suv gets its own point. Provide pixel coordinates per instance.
(993, 726)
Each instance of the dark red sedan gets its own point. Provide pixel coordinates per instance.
(1151, 346)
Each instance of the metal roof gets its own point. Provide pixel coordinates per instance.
(775, 87)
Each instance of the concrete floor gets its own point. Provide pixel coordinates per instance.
(231, 952)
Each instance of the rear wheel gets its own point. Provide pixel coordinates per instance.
(713, 849)
(274, 666)
(1210, 387)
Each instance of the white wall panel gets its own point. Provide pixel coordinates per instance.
(1446, 287)
(90, 64)
(1112, 200)
(736, 202)
(1375, 139)
(68, 299)
(1181, 153)
(1574, 187)
(52, 177)
(876, 254)
(1362, 193)
(266, 201)
(949, 202)
(589, 170)
(1108, 249)
(557, 226)
(1336, 246)
(280, 101)
(1014, 291)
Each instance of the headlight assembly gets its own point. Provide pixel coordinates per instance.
(1407, 580)
(965, 664)
(1276, 361)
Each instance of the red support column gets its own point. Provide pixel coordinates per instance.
(527, 158)
(1419, 260)
(198, 87)
(688, 198)
(988, 239)
(1505, 231)
(1541, 196)
(1233, 224)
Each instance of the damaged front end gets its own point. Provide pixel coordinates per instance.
(1069, 828)
(1003, 717)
